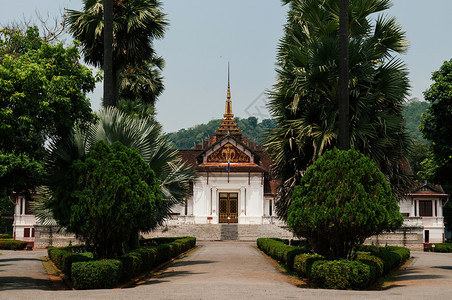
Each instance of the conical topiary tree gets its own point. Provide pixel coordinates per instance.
(342, 199)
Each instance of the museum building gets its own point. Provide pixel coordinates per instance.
(234, 183)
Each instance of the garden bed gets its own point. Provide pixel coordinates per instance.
(83, 272)
(368, 267)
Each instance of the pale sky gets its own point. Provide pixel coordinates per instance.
(205, 34)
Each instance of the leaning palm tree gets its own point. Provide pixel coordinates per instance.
(304, 101)
(136, 23)
(143, 134)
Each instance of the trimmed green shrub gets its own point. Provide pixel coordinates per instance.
(376, 265)
(135, 262)
(279, 251)
(303, 263)
(63, 258)
(441, 247)
(391, 256)
(341, 274)
(5, 236)
(98, 274)
(342, 199)
(8, 244)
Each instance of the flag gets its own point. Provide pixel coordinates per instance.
(228, 168)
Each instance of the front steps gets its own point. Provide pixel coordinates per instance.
(223, 232)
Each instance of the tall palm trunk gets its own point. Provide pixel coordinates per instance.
(109, 79)
(344, 130)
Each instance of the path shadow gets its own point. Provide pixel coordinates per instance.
(193, 262)
(169, 274)
(19, 259)
(24, 283)
(443, 267)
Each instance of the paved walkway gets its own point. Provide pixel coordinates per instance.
(23, 270)
(236, 270)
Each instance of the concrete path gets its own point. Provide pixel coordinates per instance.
(23, 270)
(236, 270)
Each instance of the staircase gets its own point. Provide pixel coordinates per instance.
(223, 232)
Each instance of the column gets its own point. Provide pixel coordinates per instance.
(242, 201)
(214, 202)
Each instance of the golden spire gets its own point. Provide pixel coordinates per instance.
(228, 124)
(229, 88)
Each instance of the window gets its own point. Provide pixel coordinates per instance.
(28, 210)
(26, 232)
(425, 208)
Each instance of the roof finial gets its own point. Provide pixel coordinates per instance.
(229, 87)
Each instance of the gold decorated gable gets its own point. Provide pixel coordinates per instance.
(228, 152)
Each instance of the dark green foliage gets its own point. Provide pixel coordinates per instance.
(98, 274)
(279, 251)
(304, 99)
(442, 247)
(303, 263)
(391, 256)
(64, 257)
(376, 265)
(341, 274)
(187, 138)
(6, 236)
(437, 125)
(42, 94)
(8, 244)
(137, 23)
(342, 199)
(109, 195)
(90, 275)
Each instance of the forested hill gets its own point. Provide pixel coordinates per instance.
(413, 116)
(186, 138)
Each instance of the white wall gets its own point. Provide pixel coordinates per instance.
(250, 192)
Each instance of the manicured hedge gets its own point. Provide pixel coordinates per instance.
(98, 274)
(5, 236)
(303, 263)
(441, 247)
(279, 251)
(375, 263)
(63, 257)
(341, 274)
(391, 256)
(85, 275)
(8, 244)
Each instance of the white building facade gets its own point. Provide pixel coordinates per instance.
(234, 183)
(24, 220)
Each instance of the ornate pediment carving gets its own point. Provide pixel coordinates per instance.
(228, 152)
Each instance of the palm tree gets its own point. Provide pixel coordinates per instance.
(143, 134)
(142, 83)
(304, 101)
(136, 23)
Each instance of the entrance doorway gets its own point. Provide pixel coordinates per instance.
(229, 207)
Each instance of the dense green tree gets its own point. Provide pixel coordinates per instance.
(42, 94)
(437, 127)
(143, 134)
(304, 101)
(342, 199)
(437, 123)
(111, 193)
(136, 23)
